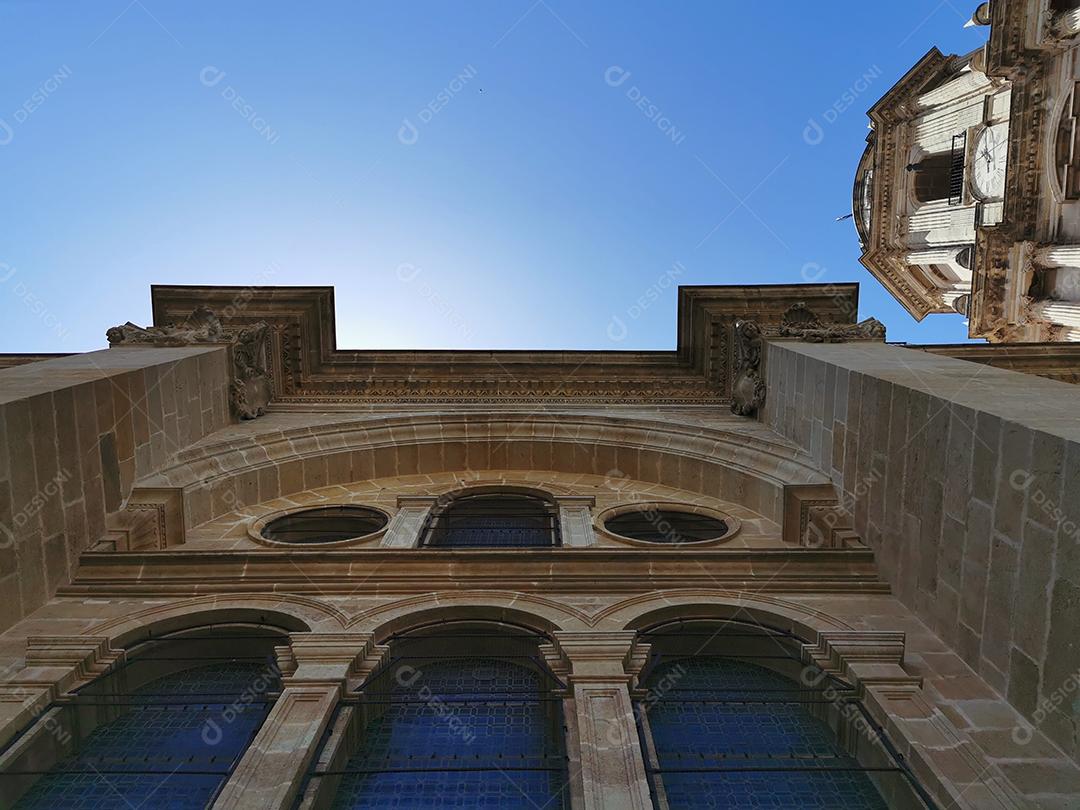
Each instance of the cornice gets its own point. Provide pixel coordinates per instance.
(405, 571)
(307, 367)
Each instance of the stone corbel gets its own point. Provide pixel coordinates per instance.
(54, 665)
(250, 387)
(747, 384)
(867, 659)
(814, 518)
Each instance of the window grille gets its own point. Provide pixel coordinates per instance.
(722, 732)
(956, 169)
(454, 719)
(173, 740)
(500, 520)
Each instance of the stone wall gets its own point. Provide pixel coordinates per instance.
(75, 433)
(965, 480)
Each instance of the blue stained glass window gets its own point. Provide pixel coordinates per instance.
(497, 520)
(173, 747)
(728, 734)
(460, 733)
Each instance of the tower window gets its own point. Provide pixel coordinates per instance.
(494, 520)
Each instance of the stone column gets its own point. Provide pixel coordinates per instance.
(1066, 313)
(1058, 256)
(1068, 23)
(405, 527)
(601, 669)
(575, 521)
(318, 667)
(939, 255)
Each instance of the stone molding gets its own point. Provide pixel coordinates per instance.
(563, 570)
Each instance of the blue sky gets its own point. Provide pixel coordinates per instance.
(482, 174)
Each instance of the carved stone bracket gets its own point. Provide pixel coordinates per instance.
(747, 386)
(250, 388)
(798, 321)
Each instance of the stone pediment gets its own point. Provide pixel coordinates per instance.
(306, 366)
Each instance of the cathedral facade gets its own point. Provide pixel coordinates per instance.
(967, 198)
(785, 565)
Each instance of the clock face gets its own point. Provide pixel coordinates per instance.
(988, 161)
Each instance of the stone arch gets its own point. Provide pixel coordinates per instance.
(533, 612)
(641, 612)
(750, 469)
(290, 613)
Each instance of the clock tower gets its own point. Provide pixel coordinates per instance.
(967, 197)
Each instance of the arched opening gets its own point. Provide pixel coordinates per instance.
(462, 714)
(167, 726)
(732, 717)
(932, 177)
(498, 519)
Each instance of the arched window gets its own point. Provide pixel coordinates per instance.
(458, 716)
(494, 520)
(166, 728)
(733, 719)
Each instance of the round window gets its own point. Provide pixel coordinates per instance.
(667, 526)
(326, 524)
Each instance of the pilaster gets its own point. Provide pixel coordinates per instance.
(575, 521)
(600, 669)
(317, 669)
(405, 527)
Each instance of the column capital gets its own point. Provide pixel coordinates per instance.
(82, 658)
(869, 659)
(325, 658)
(595, 656)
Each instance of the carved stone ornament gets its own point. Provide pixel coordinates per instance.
(250, 389)
(747, 387)
(801, 322)
(202, 326)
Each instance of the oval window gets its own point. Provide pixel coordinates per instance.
(667, 526)
(326, 524)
